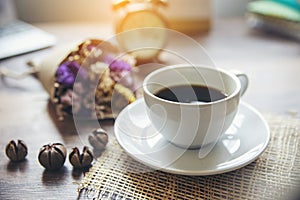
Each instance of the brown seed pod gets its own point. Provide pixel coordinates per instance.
(81, 160)
(16, 152)
(52, 156)
(98, 139)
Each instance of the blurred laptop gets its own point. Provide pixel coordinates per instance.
(18, 37)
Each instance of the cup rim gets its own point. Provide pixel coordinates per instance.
(228, 73)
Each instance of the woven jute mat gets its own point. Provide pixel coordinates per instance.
(274, 175)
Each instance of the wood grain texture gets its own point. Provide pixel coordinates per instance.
(272, 63)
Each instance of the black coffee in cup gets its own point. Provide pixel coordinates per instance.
(190, 93)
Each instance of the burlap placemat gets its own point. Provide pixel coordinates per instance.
(274, 175)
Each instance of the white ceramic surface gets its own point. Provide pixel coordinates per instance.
(242, 143)
(192, 125)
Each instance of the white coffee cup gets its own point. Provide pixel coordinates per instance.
(195, 124)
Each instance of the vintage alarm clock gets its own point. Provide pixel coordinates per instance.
(141, 27)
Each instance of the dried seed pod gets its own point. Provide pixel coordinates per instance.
(16, 152)
(52, 156)
(81, 160)
(98, 139)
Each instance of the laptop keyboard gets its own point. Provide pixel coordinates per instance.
(20, 37)
(14, 28)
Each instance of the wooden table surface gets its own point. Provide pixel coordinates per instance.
(272, 63)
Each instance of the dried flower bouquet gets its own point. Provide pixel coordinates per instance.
(92, 81)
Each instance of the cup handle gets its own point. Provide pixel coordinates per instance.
(243, 79)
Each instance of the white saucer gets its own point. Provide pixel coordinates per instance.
(242, 143)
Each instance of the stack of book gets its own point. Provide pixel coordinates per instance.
(279, 16)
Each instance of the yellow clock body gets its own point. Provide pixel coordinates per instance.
(141, 30)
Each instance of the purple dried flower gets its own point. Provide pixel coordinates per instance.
(119, 69)
(117, 65)
(67, 72)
